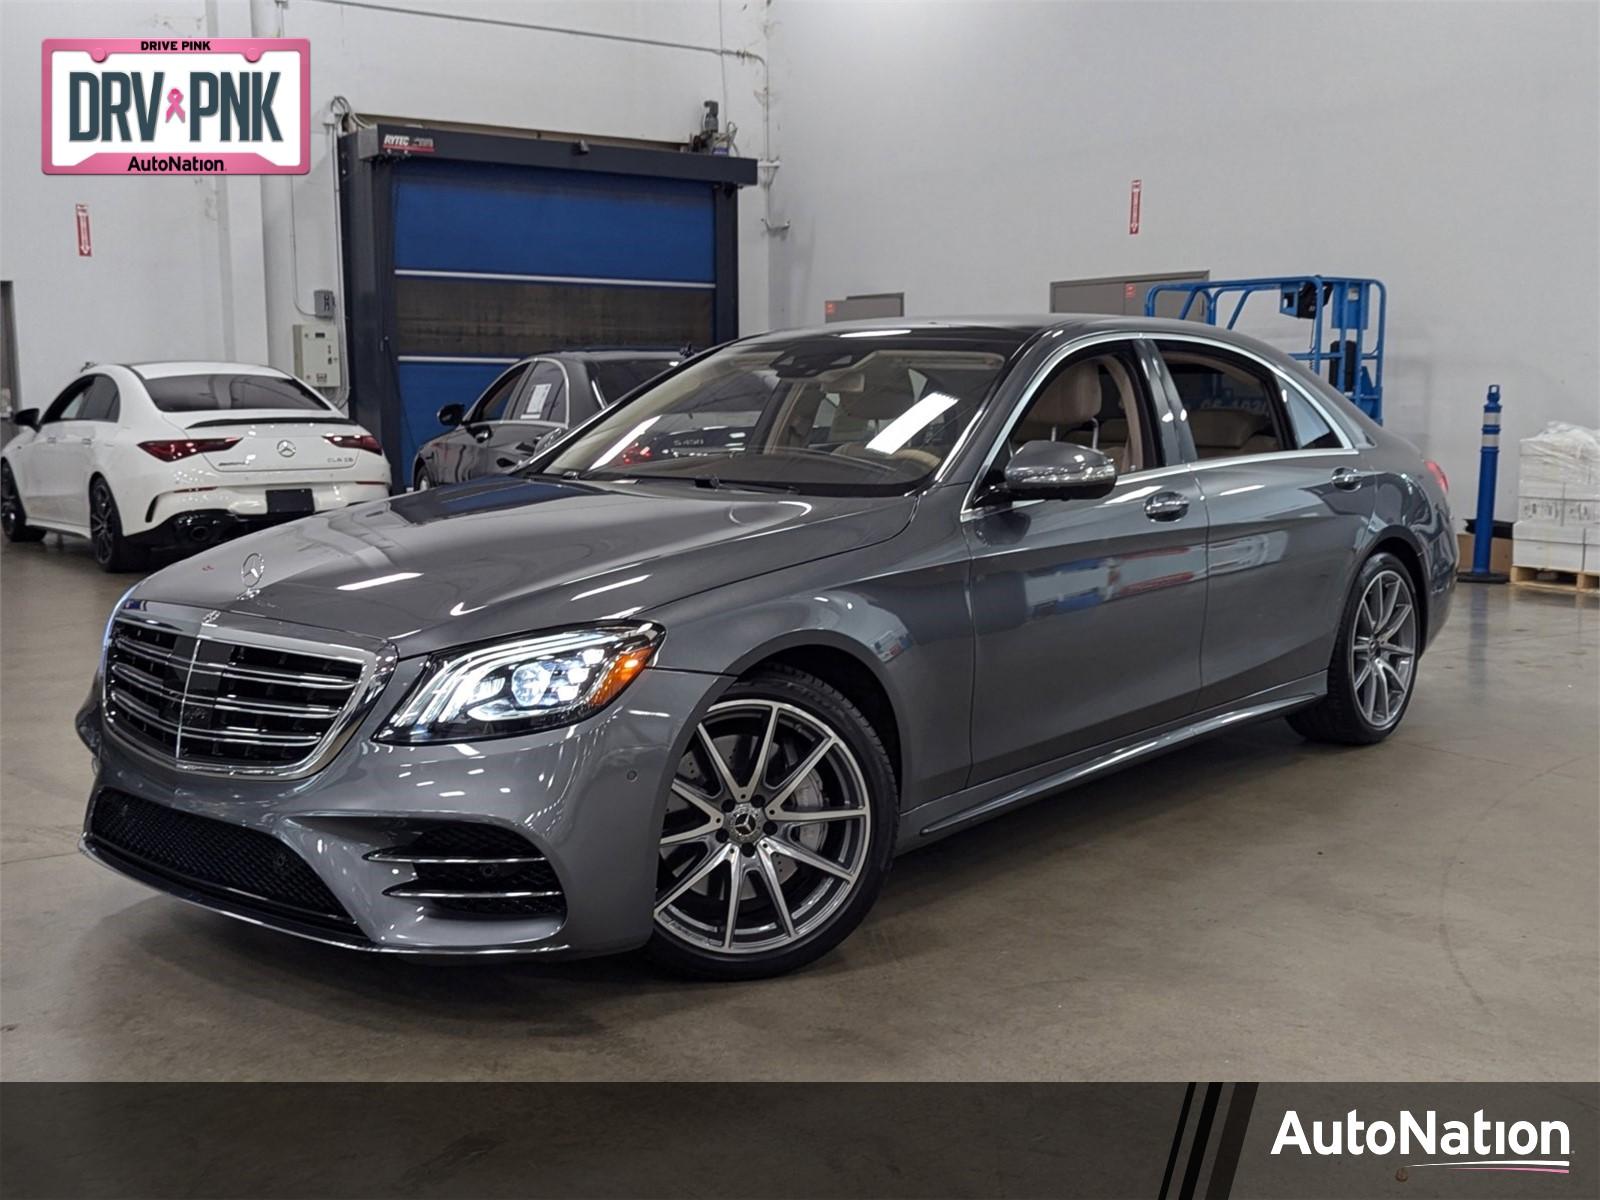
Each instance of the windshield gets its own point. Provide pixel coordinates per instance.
(855, 412)
(206, 393)
(616, 377)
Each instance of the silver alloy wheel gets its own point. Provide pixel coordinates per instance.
(767, 830)
(1383, 649)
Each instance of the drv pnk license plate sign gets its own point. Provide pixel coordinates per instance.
(173, 106)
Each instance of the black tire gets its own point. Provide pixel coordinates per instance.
(13, 516)
(112, 551)
(795, 689)
(1339, 716)
(421, 481)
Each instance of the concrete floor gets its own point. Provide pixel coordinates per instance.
(1252, 908)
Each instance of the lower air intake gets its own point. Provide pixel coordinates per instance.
(482, 870)
(245, 866)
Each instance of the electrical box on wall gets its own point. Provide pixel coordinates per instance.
(316, 355)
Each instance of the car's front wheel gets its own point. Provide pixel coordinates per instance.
(112, 550)
(13, 516)
(1374, 667)
(778, 833)
(420, 482)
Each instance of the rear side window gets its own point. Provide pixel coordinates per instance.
(218, 393)
(546, 396)
(1311, 428)
(616, 377)
(1232, 404)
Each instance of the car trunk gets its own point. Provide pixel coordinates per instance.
(272, 440)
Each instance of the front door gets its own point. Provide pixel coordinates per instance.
(537, 409)
(1088, 614)
(49, 466)
(464, 450)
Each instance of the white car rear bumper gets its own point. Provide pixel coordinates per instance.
(247, 502)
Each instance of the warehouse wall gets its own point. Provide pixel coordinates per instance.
(225, 268)
(964, 152)
(177, 268)
(968, 153)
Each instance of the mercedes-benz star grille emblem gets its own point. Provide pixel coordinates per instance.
(286, 448)
(252, 569)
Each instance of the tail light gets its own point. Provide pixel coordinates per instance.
(355, 441)
(184, 447)
(1438, 473)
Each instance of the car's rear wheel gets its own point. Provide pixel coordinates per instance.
(778, 833)
(13, 516)
(112, 551)
(1373, 672)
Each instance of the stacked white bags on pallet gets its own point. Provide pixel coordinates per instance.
(1558, 500)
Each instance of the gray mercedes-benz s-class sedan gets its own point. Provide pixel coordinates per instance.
(694, 676)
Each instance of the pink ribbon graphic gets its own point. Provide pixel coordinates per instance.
(175, 106)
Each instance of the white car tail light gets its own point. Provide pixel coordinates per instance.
(172, 451)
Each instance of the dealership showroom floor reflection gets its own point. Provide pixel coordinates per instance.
(1255, 905)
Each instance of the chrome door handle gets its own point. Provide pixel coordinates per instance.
(1166, 506)
(86, 441)
(1347, 478)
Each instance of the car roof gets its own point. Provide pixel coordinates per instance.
(610, 354)
(163, 370)
(1025, 324)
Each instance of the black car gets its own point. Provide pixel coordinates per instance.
(526, 405)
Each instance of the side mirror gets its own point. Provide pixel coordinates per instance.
(1059, 471)
(450, 415)
(26, 418)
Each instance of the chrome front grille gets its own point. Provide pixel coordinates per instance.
(206, 696)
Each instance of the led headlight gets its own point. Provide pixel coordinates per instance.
(521, 686)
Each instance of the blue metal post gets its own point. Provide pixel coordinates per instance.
(1488, 468)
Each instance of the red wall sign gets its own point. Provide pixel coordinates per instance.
(1133, 206)
(85, 242)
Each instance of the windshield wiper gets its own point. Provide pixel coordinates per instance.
(741, 485)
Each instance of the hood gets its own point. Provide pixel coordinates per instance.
(503, 556)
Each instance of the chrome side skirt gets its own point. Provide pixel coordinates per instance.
(1144, 747)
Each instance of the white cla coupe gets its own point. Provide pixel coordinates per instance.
(178, 455)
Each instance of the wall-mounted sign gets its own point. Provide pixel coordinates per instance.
(169, 106)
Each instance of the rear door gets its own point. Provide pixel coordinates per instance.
(1088, 613)
(1288, 501)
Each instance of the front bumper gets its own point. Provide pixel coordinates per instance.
(589, 797)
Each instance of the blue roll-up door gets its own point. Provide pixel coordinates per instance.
(494, 263)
